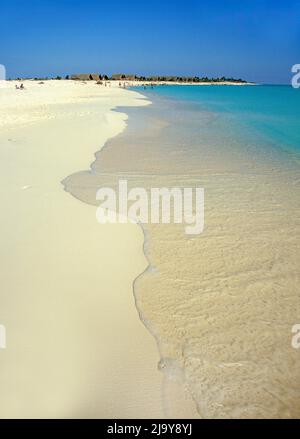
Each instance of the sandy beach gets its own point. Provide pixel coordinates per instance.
(119, 321)
(150, 214)
(75, 344)
(221, 305)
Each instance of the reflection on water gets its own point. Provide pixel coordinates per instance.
(220, 305)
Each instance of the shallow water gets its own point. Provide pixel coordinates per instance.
(221, 305)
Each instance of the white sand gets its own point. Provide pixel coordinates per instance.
(75, 344)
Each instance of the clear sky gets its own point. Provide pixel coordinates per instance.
(258, 40)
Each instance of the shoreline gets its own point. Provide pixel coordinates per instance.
(178, 401)
(186, 297)
(88, 318)
(63, 292)
(129, 83)
(209, 83)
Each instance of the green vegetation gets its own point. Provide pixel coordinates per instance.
(126, 77)
(182, 79)
(194, 79)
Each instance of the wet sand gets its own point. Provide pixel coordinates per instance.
(220, 305)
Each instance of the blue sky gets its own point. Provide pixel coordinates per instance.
(258, 40)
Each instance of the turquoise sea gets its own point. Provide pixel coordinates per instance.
(273, 112)
(220, 305)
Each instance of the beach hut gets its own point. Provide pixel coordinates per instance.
(86, 77)
(123, 77)
(95, 76)
(118, 77)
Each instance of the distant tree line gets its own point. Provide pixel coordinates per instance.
(188, 79)
(125, 77)
(183, 79)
